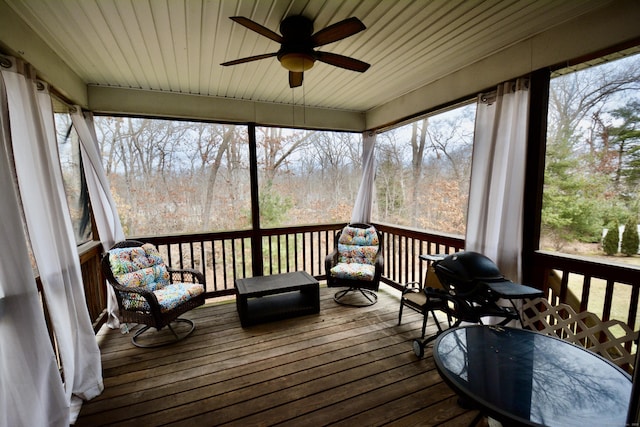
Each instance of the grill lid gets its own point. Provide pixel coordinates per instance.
(463, 272)
(466, 268)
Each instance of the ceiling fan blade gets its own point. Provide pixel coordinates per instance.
(342, 61)
(337, 31)
(295, 79)
(254, 26)
(249, 59)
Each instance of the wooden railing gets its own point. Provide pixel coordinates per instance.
(221, 257)
(225, 257)
(93, 281)
(610, 291)
(402, 248)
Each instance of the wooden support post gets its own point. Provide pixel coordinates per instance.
(256, 235)
(534, 176)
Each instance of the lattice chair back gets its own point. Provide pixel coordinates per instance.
(612, 339)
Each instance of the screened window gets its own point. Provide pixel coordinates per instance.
(592, 171)
(74, 183)
(307, 177)
(176, 176)
(423, 172)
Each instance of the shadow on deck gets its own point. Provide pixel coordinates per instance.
(345, 366)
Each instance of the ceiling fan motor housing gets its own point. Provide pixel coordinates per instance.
(296, 53)
(296, 27)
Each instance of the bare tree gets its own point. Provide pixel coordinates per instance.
(220, 138)
(277, 145)
(581, 194)
(418, 145)
(576, 96)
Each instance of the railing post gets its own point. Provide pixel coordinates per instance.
(256, 235)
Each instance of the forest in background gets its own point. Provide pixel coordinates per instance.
(593, 154)
(181, 177)
(195, 176)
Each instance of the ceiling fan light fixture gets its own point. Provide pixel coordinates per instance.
(297, 52)
(297, 62)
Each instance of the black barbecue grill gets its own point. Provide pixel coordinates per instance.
(472, 285)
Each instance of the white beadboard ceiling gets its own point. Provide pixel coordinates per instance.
(178, 45)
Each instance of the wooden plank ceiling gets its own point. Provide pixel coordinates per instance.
(178, 45)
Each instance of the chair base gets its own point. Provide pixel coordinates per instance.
(176, 337)
(345, 297)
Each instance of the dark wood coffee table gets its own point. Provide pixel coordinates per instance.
(275, 297)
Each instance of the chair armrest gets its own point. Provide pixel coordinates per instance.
(185, 275)
(138, 290)
(380, 259)
(379, 265)
(330, 260)
(411, 287)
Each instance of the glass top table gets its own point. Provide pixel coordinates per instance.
(520, 377)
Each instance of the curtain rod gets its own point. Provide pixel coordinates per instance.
(62, 99)
(7, 61)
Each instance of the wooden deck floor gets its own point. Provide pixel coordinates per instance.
(345, 366)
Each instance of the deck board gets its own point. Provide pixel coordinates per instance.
(344, 366)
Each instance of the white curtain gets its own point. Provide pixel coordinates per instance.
(52, 239)
(104, 209)
(494, 221)
(31, 388)
(364, 200)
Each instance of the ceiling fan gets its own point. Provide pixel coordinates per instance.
(297, 44)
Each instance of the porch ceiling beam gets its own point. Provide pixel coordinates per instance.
(176, 105)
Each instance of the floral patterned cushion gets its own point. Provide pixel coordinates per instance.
(358, 245)
(353, 271)
(357, 254)
(357, 251)
(139, 266)
(169, 297)
(359, 236)
(151, 278)
(143, 267)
